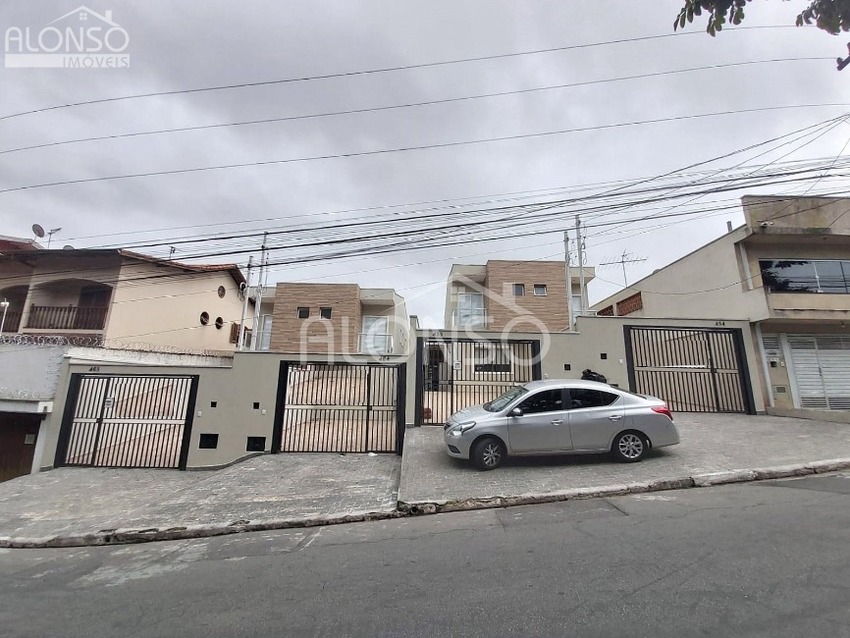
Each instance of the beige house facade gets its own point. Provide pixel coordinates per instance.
(120, 299)
(514, 296)
(786, 272)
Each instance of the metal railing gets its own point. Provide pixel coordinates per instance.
(13, 321)
(66, 318)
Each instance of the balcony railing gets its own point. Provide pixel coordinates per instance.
(470, 318)
(66, 318)
(376, 344)
(13, 320)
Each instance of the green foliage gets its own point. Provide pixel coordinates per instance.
(832, 16)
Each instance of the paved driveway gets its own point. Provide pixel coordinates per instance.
(710, 443)
(75, 501)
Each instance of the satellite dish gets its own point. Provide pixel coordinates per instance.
(67, 247)
(37, 230)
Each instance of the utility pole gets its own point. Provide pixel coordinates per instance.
(580, 248)
(241, 341)
(623, 261)
(569, 281)
(258, 299)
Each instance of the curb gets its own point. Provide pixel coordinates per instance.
(130, 536)
(708, 479)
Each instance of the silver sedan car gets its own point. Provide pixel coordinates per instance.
(560, 417)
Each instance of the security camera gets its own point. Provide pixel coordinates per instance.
(242, 286)
(766, 224)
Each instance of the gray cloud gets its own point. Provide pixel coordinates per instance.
(198, 43)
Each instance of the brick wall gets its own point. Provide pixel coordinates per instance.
(337, 334)
(504, 308)
(629, 305)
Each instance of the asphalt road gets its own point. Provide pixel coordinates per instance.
(761, 559)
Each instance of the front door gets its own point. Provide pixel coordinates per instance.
(543, 426)
(595, 417)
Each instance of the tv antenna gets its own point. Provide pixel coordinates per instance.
(626, 258)
(50, 234)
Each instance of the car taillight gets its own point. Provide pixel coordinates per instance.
(663, 409)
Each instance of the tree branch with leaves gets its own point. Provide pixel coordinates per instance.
(832, 16)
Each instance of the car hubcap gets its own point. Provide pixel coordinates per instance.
(492, 455)
(631, 446)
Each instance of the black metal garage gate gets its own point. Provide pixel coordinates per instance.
(692, 369)
(340, 408)
(455, 374)
(127, 421)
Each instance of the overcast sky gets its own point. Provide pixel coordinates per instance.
(201, 43)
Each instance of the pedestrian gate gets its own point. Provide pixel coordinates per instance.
(692, 369)
(340, 408)
(455, 374)
(127, 421)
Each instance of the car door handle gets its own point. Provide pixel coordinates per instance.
(558, 422)
(615, 417)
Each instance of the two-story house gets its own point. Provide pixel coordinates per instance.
(787, 272)
(114, 296)
(518, 296)
(117, 305)
(337, 318)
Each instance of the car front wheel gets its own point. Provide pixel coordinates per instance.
(629, 447)
(488, 454)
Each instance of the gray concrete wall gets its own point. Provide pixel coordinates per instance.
(29, 372)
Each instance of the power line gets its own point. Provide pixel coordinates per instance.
(347, 74)
(274, 120)
(410, 148)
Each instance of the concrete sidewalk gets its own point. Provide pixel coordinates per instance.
(84, 506)
(715, 448)
(87, 506)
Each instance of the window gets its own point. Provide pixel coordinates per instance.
(470, 310)
(303, 313)
(805, 275)
(546, 401)
(540, 290)
(325, 313)
(374, 338)
(519, 290)
(580, 398)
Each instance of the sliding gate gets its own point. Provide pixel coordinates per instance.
(340, 408)
(127, 421)
(692, 369)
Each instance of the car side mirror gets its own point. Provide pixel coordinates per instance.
(515, 412)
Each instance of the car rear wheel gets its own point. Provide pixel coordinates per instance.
(629, 447)
(488, 453)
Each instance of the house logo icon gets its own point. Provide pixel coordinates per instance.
(80, 39)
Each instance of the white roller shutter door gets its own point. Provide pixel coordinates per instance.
(822, 371)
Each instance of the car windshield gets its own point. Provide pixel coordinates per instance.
(499, 404)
